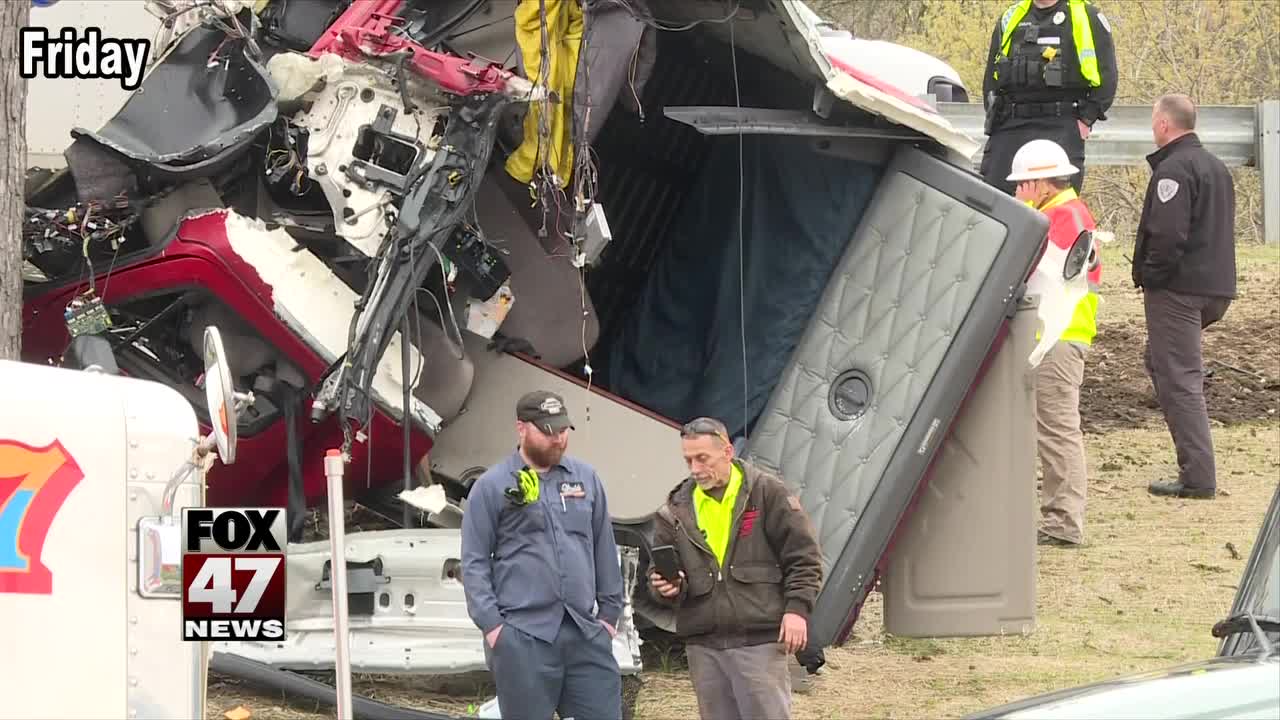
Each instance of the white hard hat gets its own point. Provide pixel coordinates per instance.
(1040, 159)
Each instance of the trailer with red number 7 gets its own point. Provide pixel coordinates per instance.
(94, 468)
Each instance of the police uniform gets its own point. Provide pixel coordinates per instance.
(1046, 69)
(1184, 260)
(539, 559)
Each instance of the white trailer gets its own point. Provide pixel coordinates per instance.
(93, 469)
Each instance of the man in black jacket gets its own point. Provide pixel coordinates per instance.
(1185, 262)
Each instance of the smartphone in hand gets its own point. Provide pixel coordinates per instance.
(666, 562)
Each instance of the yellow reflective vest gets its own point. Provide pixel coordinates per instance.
(1081, 35)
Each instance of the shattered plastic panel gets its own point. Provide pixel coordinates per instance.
(406, 604)
(868, 91)
(204, 98)
(317, 305)
(1058, 297)
(363, 145)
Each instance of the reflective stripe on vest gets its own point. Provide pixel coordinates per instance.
(1081, 35)
(1084, 325)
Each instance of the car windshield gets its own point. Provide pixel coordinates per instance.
(1269, 603)
(1259, 591)
(1265, 583)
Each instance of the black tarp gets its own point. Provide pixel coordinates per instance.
(680, 349)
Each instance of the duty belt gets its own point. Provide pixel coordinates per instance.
(1041, 109)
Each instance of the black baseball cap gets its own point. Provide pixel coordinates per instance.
(544, 409)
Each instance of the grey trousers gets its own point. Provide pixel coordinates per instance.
(746, 683)
(1174, 324)
(576, 675)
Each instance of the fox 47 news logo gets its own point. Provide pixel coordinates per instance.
(233, 573)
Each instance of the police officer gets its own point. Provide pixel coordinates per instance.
(1184, 260)
(1051, 73)
(541, 574)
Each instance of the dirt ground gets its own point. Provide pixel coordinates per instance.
(1240, 352)
(1142, 593)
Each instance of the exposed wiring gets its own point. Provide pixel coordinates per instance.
(543, 186)
(742, 290)
(586, 180)
(445, 281)
(631, 76)
(651, 21)
(83, 226)
(484, 26)
(439, 310)
(409, 107)
(444, 30)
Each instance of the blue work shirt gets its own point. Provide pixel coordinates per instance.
(528, 565)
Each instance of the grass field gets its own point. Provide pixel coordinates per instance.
(1154, 575)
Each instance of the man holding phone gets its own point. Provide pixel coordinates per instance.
(748, 573)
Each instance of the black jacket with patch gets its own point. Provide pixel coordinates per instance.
(1186, 237)
(773, 564)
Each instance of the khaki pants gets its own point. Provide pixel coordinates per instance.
(1061, 442)
(745, 683)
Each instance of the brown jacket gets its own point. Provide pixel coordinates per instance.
(773, 564)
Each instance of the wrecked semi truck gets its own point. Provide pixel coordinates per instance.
(659, 208)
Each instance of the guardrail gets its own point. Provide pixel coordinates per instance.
(1240, 135)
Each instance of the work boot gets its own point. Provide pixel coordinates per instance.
(801, 680)
(1175, 488)
(1043, 538)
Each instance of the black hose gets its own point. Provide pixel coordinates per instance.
(291, 400)
(406, 419)
(443, 30)
(290, 683)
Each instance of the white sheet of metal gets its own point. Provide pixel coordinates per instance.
(636, 455)
(91, 456)
(56, 105)
(894, 103)
(417, 622)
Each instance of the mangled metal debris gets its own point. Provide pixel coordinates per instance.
(406, 605)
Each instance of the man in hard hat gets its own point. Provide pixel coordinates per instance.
(1051, 73)
(1042, 176)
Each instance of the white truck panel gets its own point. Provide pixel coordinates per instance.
(86, 645)
(56, 105)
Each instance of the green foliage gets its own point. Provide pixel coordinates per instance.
(1220, 52)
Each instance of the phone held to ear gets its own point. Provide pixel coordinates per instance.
(666, 562)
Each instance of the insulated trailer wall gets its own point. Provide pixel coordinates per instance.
(57, 105)
(926, 286)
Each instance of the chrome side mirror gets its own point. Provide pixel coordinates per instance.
(160, 537)
(220, 396)
(1078, 256)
